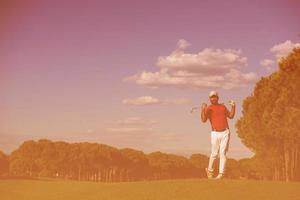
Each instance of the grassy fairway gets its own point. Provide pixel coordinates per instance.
(157, 190)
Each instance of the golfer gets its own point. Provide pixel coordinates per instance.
(220, 133)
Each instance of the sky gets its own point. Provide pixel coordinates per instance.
(127, 73)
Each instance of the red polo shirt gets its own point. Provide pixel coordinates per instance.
(217, 115)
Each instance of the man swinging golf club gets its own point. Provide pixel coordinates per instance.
(220, 134)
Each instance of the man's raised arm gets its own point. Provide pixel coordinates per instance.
(203, 112)
(232, 111)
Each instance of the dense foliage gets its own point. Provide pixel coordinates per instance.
(3, 164)
(270, 122)
(100, 162)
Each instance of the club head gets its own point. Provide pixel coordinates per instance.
(193, 109)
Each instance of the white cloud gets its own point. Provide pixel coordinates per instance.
(131, 125)
(210, 68)
(235, 79)
(283, 49)
(208, 61)
(128, 129)
(89, 131)
(149, 100)
(169, 136)
(144, 100)
(180, 101)
(156, 79)
(230, 79)
(279, 51)
(183, 44)
(135, 121)
(267, 63)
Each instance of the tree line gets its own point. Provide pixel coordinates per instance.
(103, 163)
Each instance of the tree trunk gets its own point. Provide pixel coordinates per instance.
(276, 173)
(110, 174)
(297, 167)
(292, 167)
(106, 175)
(99, 175)
(79, 172)
(30, 170)
(286, 162)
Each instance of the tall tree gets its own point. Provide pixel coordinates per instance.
(3, 164)
(270, 122)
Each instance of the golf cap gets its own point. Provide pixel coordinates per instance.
(213, 93)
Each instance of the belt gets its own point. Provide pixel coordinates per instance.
(213, 129)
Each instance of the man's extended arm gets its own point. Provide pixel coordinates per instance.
(203, 112)
(232, 111)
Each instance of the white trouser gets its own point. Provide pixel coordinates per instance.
(219, 143)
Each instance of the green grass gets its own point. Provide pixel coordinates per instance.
(191, 189)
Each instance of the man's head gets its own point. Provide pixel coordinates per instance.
(214, 97)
